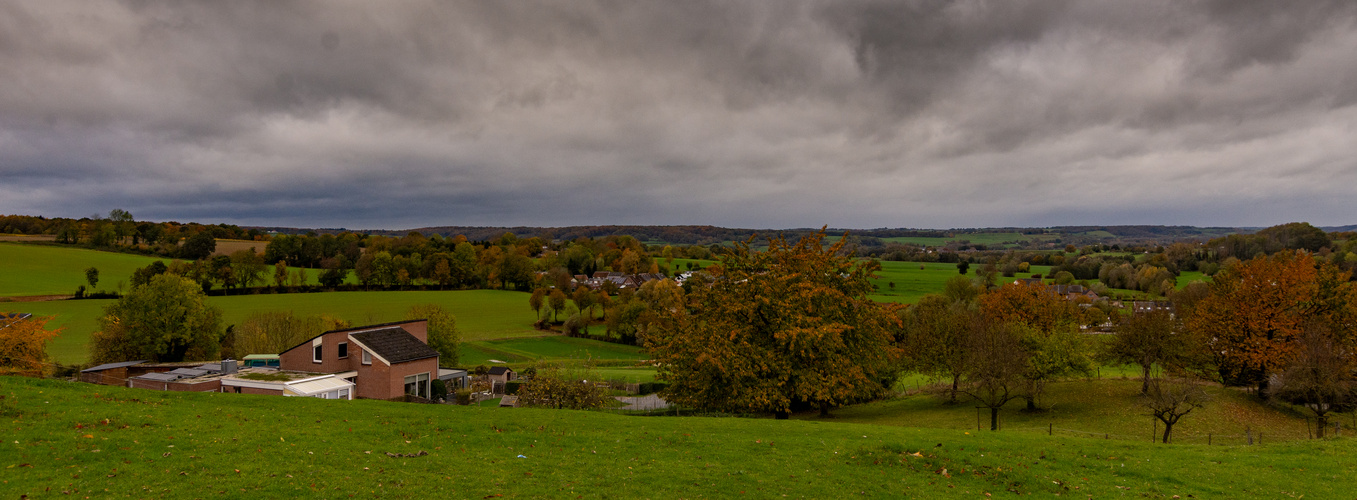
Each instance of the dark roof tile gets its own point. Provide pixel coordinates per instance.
(394, 344)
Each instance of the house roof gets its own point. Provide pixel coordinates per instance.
(394, 344)
(316, 385)
(188, 372)
(163, 377)
(307, 342)
(499, 370)
(110, 366)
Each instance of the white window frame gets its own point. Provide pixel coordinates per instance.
(367, 357)
(416, 379)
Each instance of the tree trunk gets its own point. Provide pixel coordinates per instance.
(1168, 427)
(1145, 379)
(955, 380)
(824, 409)
(994, 418)
(1031, 402)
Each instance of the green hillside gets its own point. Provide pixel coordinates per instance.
(56, 270)
(74, 440)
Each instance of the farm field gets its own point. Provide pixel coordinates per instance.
(1186, 277)
(64, 437)
(54, 270)
(912, 283)
(227, 247)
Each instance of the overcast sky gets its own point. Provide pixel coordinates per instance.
(767, 114)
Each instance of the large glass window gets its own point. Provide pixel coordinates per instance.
(316, 356)
(418, 385)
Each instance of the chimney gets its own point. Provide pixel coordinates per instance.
(228, 366)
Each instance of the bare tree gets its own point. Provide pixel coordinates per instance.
(1319, 376)
(1169, 400)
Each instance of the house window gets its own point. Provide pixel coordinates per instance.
(418, 385)
(343, 350)
(367, 357)
(344, 393)
(315, 357)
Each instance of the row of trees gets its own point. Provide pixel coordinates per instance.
(1281, 324)
(791, 328)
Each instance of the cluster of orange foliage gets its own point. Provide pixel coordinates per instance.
(23, 344)
(1258, 309)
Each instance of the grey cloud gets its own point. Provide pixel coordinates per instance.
(788, 114)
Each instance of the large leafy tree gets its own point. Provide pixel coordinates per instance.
(779, 328)
(1148, 340)
(167, 319)
(937, 328)
(1257, 309)
(1048, 328)
(443, 334)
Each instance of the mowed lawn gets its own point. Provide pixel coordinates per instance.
(54, 270)
(481, 314)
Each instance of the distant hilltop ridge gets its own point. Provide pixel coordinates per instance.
(705, 235)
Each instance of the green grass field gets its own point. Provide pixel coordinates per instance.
(65, 439)
(912, 283)
(56, 270)
(1107, 407)
(526, 351)
(481, 314)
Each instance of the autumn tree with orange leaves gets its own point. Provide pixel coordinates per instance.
(788, 327)
(1256, 311)
(1047, 327)
(23, 345)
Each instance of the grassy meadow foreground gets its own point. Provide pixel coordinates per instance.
(66, 438)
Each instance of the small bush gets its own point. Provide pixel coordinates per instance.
(463, 396)
(511, 387)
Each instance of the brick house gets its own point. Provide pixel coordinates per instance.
(383, 361)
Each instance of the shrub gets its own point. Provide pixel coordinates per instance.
(511, 387)
(463, 396)
(439, 389)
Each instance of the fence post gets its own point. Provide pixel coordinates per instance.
(1154, 430)
(1050, 429)
(1208, 439)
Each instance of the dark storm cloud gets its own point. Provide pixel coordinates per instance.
(757, 114)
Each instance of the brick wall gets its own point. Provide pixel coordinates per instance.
(300, 358)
